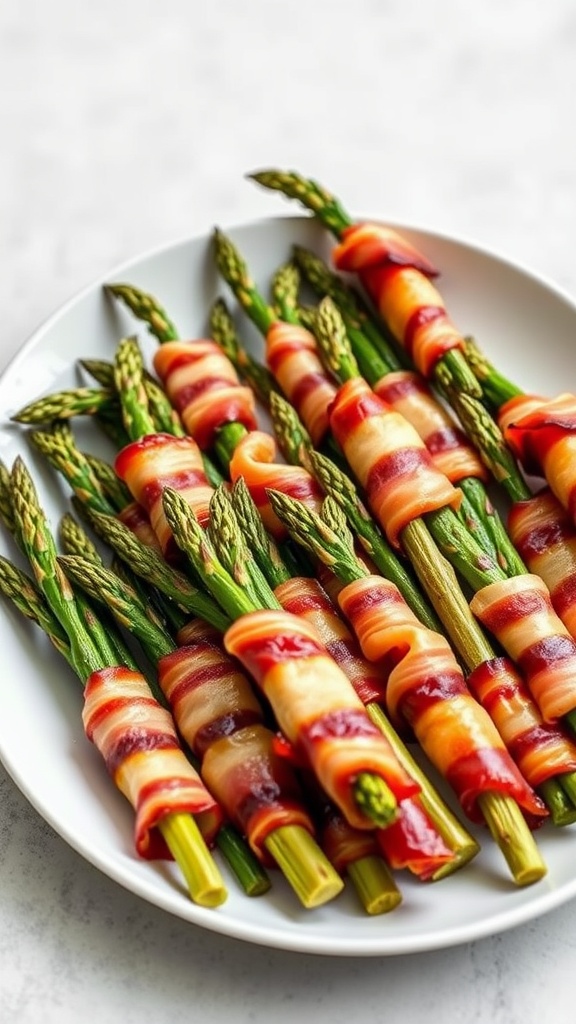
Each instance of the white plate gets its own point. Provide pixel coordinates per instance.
(528, 327)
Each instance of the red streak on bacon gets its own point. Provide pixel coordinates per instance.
(540, 749)
(254, 460)
(140, 747)
(403, 293)
(426, 690)
(542, 434)
(519, 613)
(203, 386)
(389, 459)
(292, 357)
(413, 842)
(372, 244)
(409, 394)
(316, 707)
(158, 461)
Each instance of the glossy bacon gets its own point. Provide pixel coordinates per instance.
(137, 520)
(370, 244)
(539, 748)
(316, 707)
(255, 459)
(292, 357)
(519, 613)
(204, 388)
(221, 719)
(426, 689)
(308, 600)
(138, 741)
(545, 538)
(160, 460)
(389, 459)
(403, 293)
(452, 454)
(542, 434)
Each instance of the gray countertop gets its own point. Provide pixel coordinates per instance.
(126, 124)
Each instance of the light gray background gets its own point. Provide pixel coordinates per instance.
(125, 124)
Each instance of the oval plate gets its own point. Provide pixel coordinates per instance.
(516, 316)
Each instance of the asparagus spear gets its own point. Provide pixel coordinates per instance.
(502, 814)
(180, 830)
(66, 404)
(376, 358)
(314, 882)
(266, 553)
(452, 373)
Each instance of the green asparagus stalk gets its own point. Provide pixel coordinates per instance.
(371, 791)
(147, 309)
(496, 389)
(376, 358)
(180, 830)
(455, 836)
(452, 373)
(66, 404)
(508, 827)
(223, 331)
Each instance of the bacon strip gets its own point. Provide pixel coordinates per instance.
(307, 599)
(157, 461)
(292, 357)
(138, 741)
(389, 459)
(426, 689)
(539, 748)
(203, 387)
(519, 613)
(136, 519)
(255, 459)
(405, 297)
(542, 434)
(316, 707)
(545, 538)
(452, 454)
(221, 719)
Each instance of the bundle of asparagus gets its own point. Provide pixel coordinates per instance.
(221, 585)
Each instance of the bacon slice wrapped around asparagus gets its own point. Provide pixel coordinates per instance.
(542, 434)
(545, 538)
(204, 388)
(389, 458)
(520, 615)
(219, 716)
(540, 749)
(316, 708)
(409, 394)
(398, 279)
(255, 460)
(426, 689)
(160, 460)
(140, 747)
(292, 357)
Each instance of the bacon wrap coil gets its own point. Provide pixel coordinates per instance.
(307, 599)
(389, 458)
(138, 741)
(255, 460)
(539, 748)
(157, 461)
(545, 539)
(452, 454)
(520, 615)
(342, 844)
(221, 719)
(204, 388)
(401, 289)
(426, 689)
(316, 707)
(542, 435)
(136, 519)
(292, 358)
